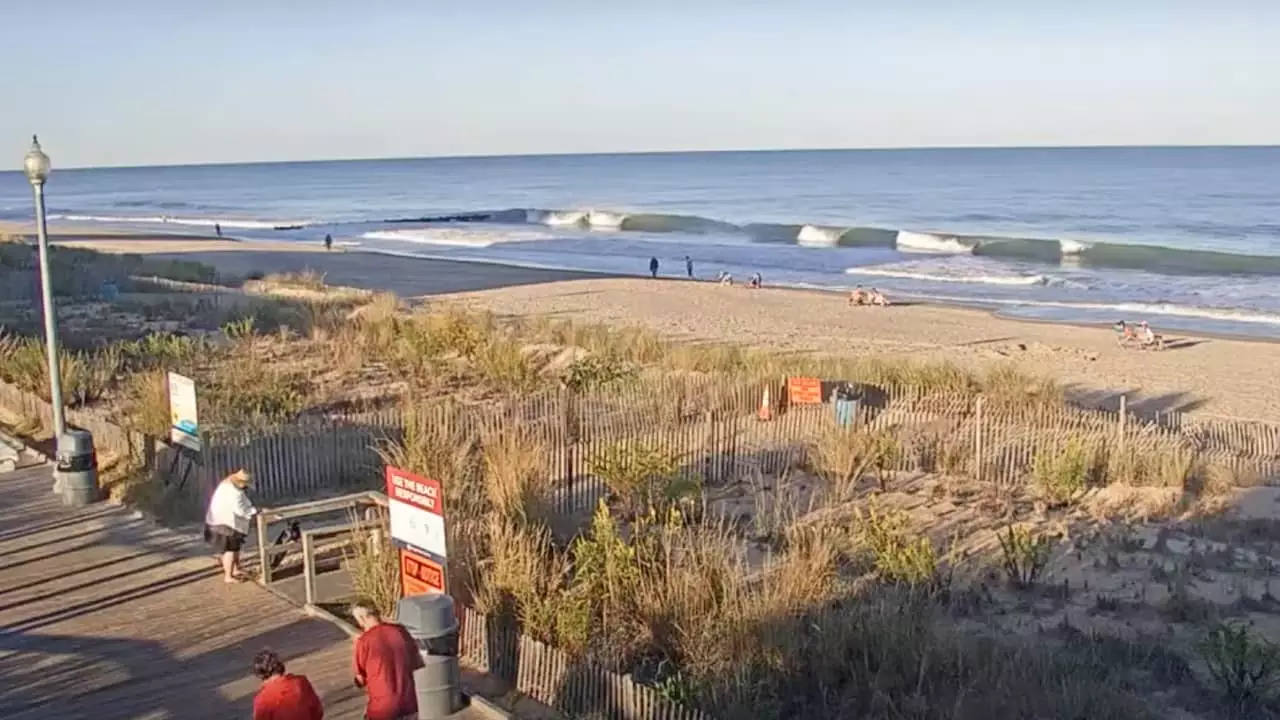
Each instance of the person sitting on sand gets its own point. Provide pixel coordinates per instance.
(724, 278)
(756, 282)
(858, 296)
(1124, 333)
(1150, 339)
(878, 299)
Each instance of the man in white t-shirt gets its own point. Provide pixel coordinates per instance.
(226, 522)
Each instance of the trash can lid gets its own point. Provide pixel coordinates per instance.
(427, 616)
(75, 442)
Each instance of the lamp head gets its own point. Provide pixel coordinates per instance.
(36, 164)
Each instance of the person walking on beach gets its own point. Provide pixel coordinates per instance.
(328, 242)
(226, 522)
(383, 664)
(283, 696)
(688, 266)
(217, 229)
(653, 267)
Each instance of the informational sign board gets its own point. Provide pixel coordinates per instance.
(184, 421)
(804, 391)
(416, 508)
(420, 575)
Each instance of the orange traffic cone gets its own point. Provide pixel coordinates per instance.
(766, 406)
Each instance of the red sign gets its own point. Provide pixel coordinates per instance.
(414, 490)
(420, 575)
(804, 391)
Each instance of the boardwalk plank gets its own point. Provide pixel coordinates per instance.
(103, 616)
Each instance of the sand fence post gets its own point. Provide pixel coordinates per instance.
(977, 438)
(1120, 430)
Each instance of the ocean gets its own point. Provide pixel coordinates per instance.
(1186, 238)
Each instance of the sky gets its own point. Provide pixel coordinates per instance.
(144, 82)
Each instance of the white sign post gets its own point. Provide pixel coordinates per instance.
(184, 421)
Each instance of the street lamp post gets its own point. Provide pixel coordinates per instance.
(36, 165)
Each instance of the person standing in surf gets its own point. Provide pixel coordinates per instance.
(688, 266)
(653, 267)
(328, 242)
(217, 229)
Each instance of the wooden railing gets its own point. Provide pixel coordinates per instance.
(307, 544)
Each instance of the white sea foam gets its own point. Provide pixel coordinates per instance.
(819, 236)
(929, 243)
(1015, 280)
(458, 237)
(605, 220)
(191, 222)
(1128, 310)
(557, 218)
(1072, 247)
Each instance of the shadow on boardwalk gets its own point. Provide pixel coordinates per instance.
(105, 617)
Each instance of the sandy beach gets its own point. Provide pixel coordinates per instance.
(1219, 376)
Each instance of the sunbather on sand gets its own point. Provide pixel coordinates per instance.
(1150, 339)
(1124, 333)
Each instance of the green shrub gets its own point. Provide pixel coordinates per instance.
(1246, 669)
(1024, 556)
(1061, 475)
(898, 557)
(635, 472)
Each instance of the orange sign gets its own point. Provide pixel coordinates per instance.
(420, 575)
(804, 391)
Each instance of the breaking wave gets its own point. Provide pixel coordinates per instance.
(929, 243)
(1011, 280)
(1076, 253)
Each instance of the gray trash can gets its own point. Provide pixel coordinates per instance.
(76, 472)
(431, 621)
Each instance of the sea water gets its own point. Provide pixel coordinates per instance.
(1187, 238)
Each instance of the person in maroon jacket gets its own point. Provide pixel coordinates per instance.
(384, 661)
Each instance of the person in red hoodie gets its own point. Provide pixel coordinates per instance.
(383, 664)
(283, 696)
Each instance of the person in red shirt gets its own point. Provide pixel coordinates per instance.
(385, 658)
(283, 696)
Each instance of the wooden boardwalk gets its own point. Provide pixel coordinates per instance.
(104, 616)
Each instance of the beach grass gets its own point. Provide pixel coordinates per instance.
(843, 607)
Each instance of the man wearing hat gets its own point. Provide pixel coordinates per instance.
(226, 522)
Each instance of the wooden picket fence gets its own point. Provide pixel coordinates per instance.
(107, 435)
(715, 432)
(577, 688)
(712, 426)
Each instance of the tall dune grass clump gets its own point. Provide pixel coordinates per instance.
(843, 456)
(373, 561)
(87, 376)
(1062, 475)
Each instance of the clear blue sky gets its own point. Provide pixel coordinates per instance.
(138, 82)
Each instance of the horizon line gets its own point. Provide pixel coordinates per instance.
(623, 153)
